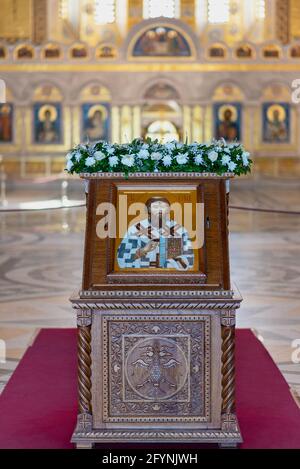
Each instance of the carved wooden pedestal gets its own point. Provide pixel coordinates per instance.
(156, 366)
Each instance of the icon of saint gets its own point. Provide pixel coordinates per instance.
(5, 123)
(157, 241)
(227, 127)
(46, 129)
(95, 128)
(276, 127)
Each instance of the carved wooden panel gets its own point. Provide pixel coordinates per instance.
(157, 369)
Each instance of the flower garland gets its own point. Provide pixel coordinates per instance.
(151, 156)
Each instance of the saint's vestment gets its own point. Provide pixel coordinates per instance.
(172, 247)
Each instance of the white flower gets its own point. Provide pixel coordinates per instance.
(143, 154)
(145, 146)
(167, 160)
(225, 159)
(231, 165)
(198, 158)
(156, 156)
(170, 146)
(69, 155)
(110, 150)
(69, 165)
(99, 155)
(90, 161)
(77, 155)
(226, 150)
(128, 160)
(194, 148)
(245, 156)
(179, 145)
(113, 161)
(182, 158)
(213, 156)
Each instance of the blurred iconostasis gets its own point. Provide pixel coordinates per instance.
(177, 69)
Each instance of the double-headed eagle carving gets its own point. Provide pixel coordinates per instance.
(156, 366)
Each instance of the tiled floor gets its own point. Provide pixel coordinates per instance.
(41, 262)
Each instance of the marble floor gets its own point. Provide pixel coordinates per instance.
(41, 262)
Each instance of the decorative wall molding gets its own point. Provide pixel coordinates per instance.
(39, 21)
(282, 21)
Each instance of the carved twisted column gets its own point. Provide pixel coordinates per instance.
(84, 321)
(228, 370)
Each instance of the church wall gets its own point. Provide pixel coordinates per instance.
(55, 99)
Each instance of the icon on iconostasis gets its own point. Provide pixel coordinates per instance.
(95, 122)
(47, 123)
(227, 121)
(6, 123)
(276, 122)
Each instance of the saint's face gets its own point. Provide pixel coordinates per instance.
(47, 116)
(159, 209)
(97, 117)
(227, 115)
(275, 116)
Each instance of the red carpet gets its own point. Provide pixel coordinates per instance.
(38, 406)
